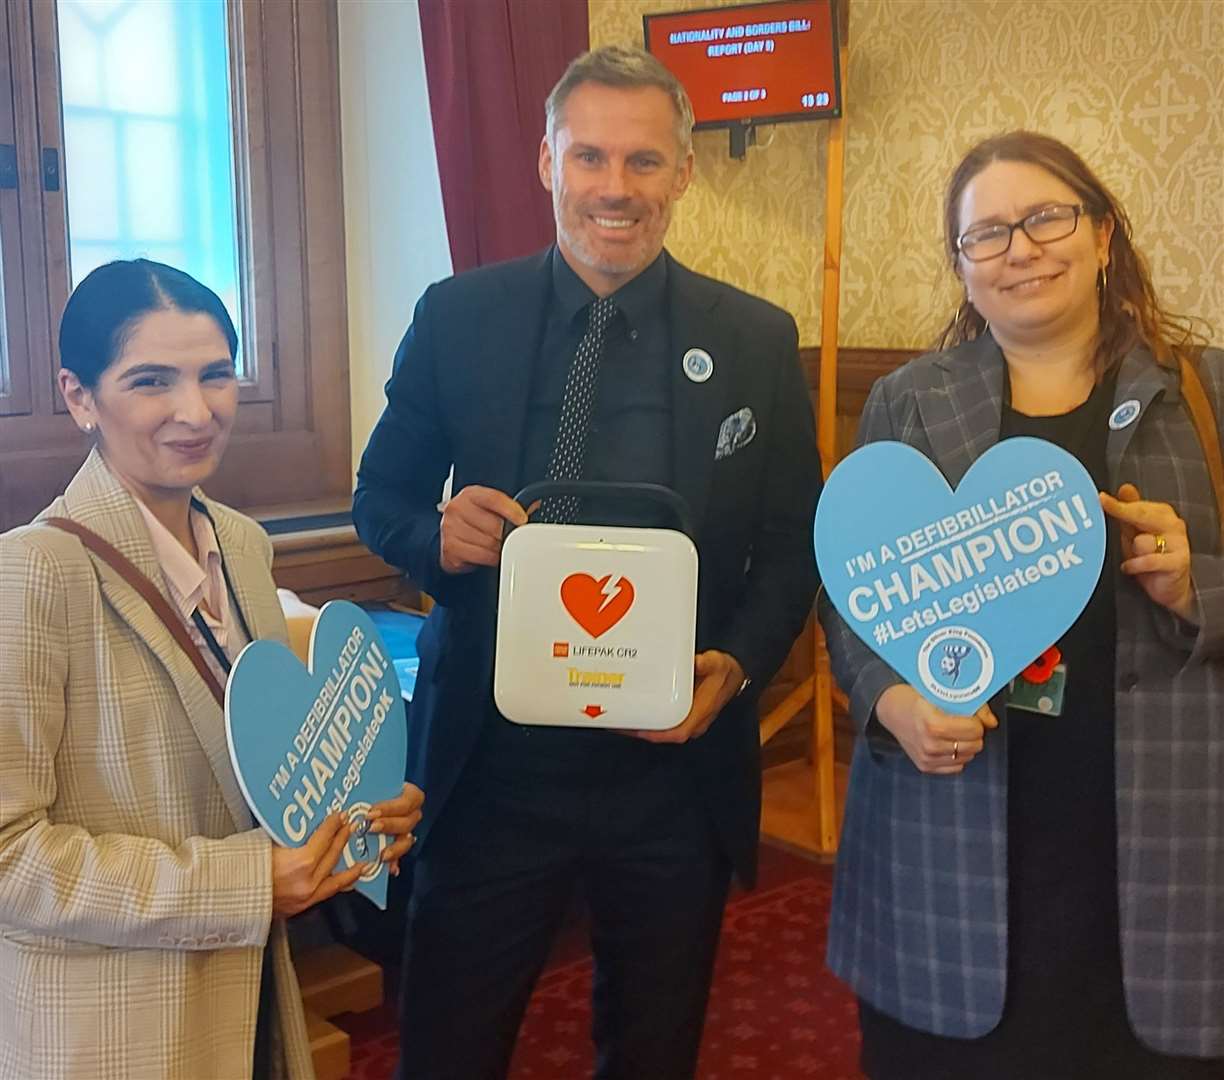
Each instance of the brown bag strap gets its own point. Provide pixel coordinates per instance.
(1205, 425)
(149, 593)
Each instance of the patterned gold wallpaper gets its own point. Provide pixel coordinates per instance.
(1136, 86)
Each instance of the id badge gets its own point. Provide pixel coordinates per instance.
(1045, 698)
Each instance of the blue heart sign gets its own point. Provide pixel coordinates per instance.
(959, 591)
(306, 742)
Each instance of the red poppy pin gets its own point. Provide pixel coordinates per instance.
(1040, 670)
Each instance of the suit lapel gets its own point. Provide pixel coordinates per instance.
(961, 418)
(203, 712)
(697, 407)
(511, 351)
(262, 611)
(97, 500)
(245, 566)
(1141, 380)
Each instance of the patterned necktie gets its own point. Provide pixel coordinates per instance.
(569, 451)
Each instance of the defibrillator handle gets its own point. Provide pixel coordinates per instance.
(655, 493)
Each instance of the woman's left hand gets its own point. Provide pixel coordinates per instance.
(1155, 550)
(397, 818)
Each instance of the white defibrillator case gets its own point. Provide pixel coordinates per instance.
(596, 626)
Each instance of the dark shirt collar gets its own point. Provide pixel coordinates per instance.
(637, 299)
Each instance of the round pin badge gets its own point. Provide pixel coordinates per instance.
(1124, 415)
(698, 365)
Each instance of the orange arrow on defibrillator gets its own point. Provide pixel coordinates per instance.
(594, 711)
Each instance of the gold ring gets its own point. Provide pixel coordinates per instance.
(955, 749)
(1161, 543)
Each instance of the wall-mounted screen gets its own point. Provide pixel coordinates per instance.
(753, 63)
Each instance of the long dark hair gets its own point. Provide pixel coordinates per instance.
(105, 307)
(1130, 312)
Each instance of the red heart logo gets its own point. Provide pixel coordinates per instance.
(594, 605)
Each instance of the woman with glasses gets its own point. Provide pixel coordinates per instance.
(1040, 895)
(142, 914)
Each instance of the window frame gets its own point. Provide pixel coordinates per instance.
(15, 397)
(291, 440)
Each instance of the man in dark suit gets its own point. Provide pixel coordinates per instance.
(696, 386)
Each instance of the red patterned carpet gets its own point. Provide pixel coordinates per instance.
(775, 1011)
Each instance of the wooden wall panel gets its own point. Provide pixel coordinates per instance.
(857, 371)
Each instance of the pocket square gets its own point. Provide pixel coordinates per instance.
(736, 432)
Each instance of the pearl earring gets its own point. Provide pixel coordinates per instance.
(89, 427)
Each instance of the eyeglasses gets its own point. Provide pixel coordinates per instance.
(1042, 227)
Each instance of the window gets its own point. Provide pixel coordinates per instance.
(14, 376)
(204, 134)
(148, 138)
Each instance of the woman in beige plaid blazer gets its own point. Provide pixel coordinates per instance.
(137, 899)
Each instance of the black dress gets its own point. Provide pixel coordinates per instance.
(1064, 1015)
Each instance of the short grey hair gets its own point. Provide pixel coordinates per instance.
(623, 66)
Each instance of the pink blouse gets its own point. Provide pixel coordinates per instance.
(197, 584)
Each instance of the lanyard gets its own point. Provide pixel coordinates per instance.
(206, 633)
(214, 646)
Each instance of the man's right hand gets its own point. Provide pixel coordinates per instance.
(472, 526)
(936, 742)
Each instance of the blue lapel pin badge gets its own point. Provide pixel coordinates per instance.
(698, 365)
(1124, 415)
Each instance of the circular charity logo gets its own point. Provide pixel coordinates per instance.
(364, 846)
(955, 664)
(698, 365)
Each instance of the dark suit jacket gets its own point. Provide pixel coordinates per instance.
(458, 395)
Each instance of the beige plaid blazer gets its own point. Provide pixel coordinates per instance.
(135, 893)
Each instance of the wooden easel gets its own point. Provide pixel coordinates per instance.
(818, 690)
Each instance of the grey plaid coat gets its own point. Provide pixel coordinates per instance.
(919, 926)
(135, 891)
